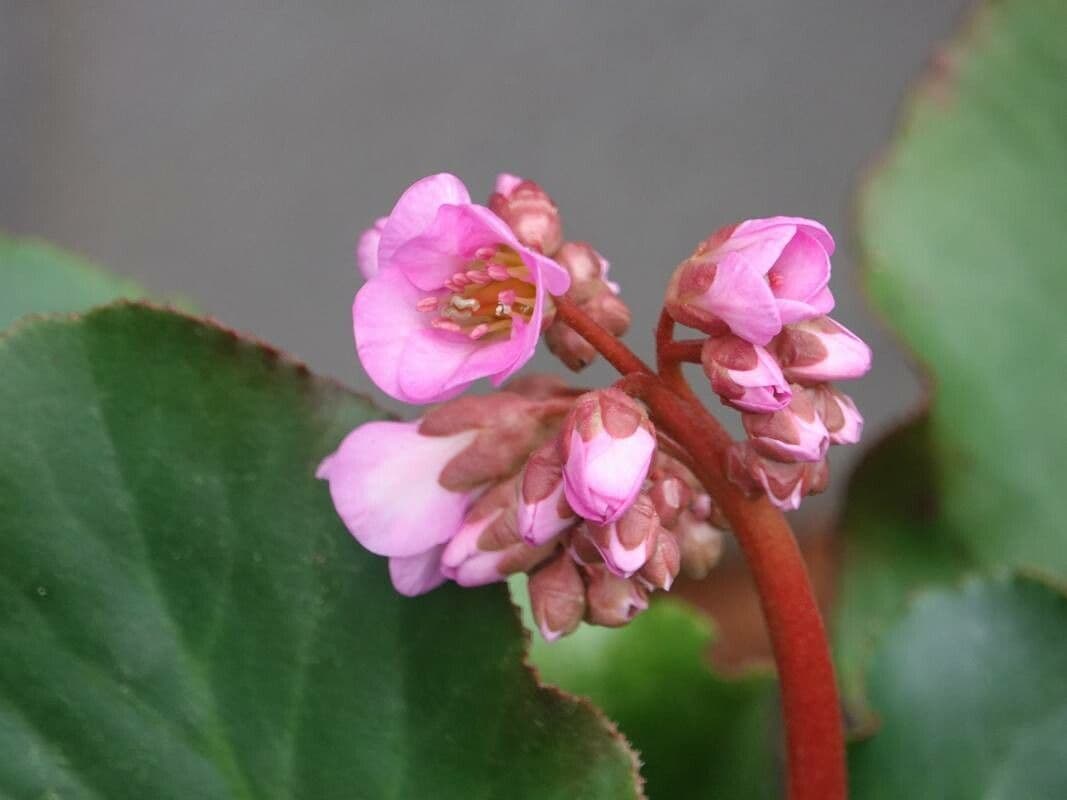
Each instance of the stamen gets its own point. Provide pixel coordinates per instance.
(506, 297)
(460, 279)
(480, 277)
(443, 324)
(484, 253)
(478, 331)
(498, 272)
(426, 304)
(519, 272)
(465, 302)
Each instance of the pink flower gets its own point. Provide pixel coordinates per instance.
(744, 375)
(455, 297)
(754, 277)
(796, 433)
(608, 444)
(820, 350)
(384, 481)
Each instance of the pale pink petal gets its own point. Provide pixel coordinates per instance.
(384, 318)
(367, 249)
(416, 210)
(506, 183)
(809, 226)
(384, 484)
(415, 575)
(602, 477)
(758, 242)
(741, 298)
(800, 274)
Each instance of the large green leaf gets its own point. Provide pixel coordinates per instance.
(183, 616)
(37, 277)
(963, 230)
(972, 689)
(699, 736)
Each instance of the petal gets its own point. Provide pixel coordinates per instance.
(436, 365)
(384, 318)
(809, 226)
(802, 271)
(760, 242)
(367, 249)
(415, 575)
(416, 210)
(742, 298)
(553, 276)
(383, 481)
(449, 242)
(506, 183)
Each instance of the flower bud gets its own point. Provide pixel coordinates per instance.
(669, 495)
(783, 483)
(507, 428)
(608, 443)
(820, 350)
(627, 543)
(367, 249)
(543, 512)
(612, 601)
(796, 433)
(699, 545)
(557, 597)
(487, 547)
(609, 312)
(839, 414)
(587, 269)
(817, 477)
(581, 548)
(744, 375)
(569, 347)
(529, 212)
(663, 565)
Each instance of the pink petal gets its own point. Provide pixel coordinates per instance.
(809, 226)
(506, 183)
(384, 484)
(416, 210)
(801, 272)
(367, 249)
(759, 241)
(384, 318)
(741, 297)
(415, 575)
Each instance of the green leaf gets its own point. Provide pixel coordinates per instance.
(182, 615)
(972, 689)
(699, 736)
(36, 278)
(962, 229)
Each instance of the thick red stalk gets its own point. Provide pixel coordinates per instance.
(810, 705)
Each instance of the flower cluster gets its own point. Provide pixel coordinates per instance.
(760, 291)
(576, 488)
(572, 488)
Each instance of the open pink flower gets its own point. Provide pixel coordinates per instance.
(384, 481)
(455, 297)
(754, 277)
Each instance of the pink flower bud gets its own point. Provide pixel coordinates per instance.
(839, 414)
(669, 495)
(543, 512)
(367, 249)
(744, 375)
(820, 350)
(587, 269)
(610, 600)
(557, 597)
(487, 547)
(751, 278)
(569, 347)
(609, 312)
(796, 433)
(663, 565)
(783, 483)
(699, 545)
(529, 212)
(627, 543)
(581, 548)
(608, 444)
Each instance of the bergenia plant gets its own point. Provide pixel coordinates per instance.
(602, 496)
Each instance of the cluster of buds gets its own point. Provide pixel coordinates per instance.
(759, 290)
(573, 489)
(535, 219)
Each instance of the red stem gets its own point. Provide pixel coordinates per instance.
(810, 705)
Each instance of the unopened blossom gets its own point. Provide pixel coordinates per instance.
(699, 544)
(628, 542)
(557, 597)
(669, 496)
(612, 601)
(607, 445)
(784, 483)
(752, 278)
(796, 433)
(543, 512)
(367, 249)
(529, 212)
(385, 483)
(487, 547)
(839, 414)
(820, 350)
(744, 375)
(664, 564)
(455, 296)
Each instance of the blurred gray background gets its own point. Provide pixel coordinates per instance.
(231, 151)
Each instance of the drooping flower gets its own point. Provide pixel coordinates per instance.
(607, 445)
(796, 433)
(455, 296)
(385, 483)
(754, 277)
(819, 350)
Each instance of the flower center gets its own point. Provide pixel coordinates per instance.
(486, 297)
